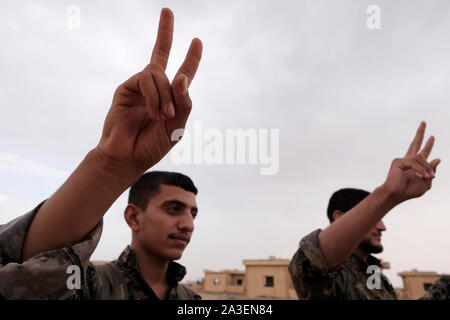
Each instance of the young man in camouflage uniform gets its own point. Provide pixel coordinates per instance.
(334, 263)
(38, 249)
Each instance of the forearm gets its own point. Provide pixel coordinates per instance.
(78, 205)
(342, 237)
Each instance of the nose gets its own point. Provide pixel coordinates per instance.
(380, 226)
(186, 222)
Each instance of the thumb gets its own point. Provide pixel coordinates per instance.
(183, 104)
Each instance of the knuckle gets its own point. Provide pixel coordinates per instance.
(160, 53)
(420, 157)
(118, 90)
(155, 67)
(187, 105)
(166, 92)
(145, 75)
(160, 77)
(187, 72)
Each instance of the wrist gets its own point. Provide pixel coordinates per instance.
(387, 198)
(120, 173)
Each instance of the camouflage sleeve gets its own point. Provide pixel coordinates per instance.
(311, 278)
(440, 290)
(46, 274)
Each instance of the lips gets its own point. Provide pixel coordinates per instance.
(180, 237)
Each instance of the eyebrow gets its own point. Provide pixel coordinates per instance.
(179, 203)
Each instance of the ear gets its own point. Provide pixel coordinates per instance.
(337, 214)
(132, 216)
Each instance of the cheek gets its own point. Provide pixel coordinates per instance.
(148, 232)
(148, 228)
(155, 228)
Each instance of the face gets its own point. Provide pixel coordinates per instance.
(166, 226)
(372, 241)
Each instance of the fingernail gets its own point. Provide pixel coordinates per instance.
(418, 175)
(171, 109)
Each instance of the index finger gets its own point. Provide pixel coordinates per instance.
(418, 139)
(163, 42)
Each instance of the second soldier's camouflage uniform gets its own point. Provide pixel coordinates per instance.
(348, 281)
(440, 290)
(45, 275)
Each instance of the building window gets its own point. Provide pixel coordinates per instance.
(239, 282)
(427, 286)
(269, 281)
(216, 281)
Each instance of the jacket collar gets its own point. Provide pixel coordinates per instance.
(175, 271)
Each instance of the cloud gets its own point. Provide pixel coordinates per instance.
(12, 207)
(3, 197)
(15, 164)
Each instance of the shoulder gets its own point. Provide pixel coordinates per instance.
(185, 293)
(308, 256)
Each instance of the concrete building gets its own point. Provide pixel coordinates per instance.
(230, 281)
(268, 279)
(262, 279)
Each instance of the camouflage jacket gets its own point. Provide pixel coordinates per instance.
(46, 275)
(440, 290)
(348, 281)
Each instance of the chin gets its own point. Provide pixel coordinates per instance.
(175, 255)
(377, 248)
(371, 247)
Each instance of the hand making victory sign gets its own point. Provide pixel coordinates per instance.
(137, 132)
(411, 176)
(147, 108)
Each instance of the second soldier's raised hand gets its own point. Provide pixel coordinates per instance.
(411, 176)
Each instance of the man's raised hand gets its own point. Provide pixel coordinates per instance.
(147, 108)
(411, 176)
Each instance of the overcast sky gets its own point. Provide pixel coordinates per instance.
(346, 100)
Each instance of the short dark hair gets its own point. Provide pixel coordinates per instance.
(148, 185)
(344, 200)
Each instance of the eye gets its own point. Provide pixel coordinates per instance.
(173, 209)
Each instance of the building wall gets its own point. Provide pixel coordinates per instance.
(211, 286)
(255, 280)
(235, 289)
(227, 282)
(237, 279)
